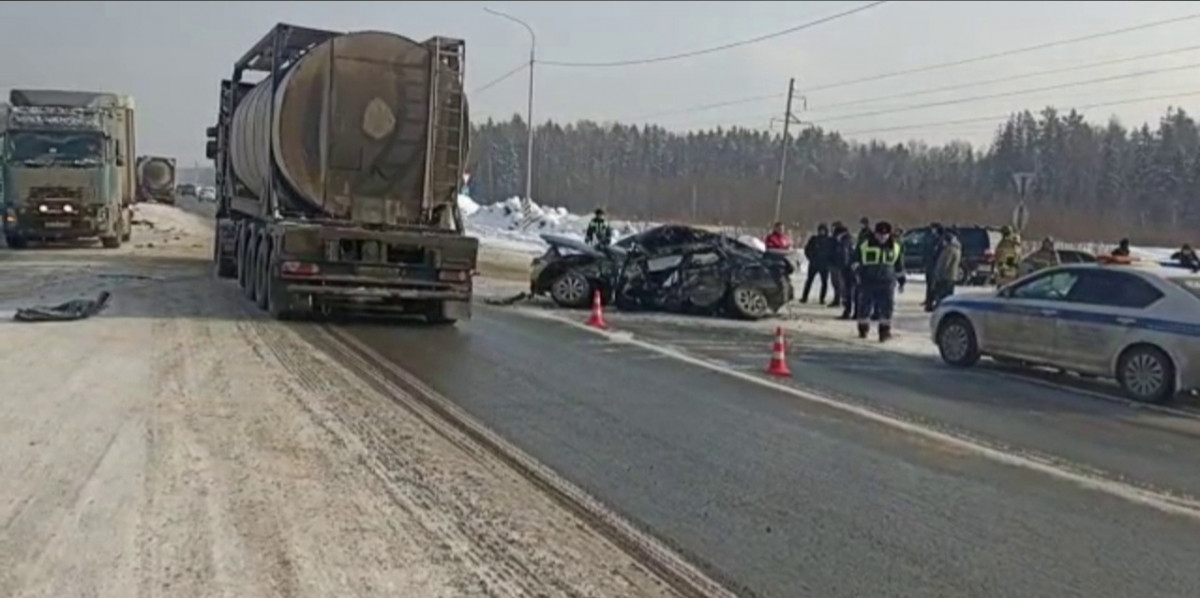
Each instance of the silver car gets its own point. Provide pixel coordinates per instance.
(1139, 324)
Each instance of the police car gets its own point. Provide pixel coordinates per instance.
(1137, 322)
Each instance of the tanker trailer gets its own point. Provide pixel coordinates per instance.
(156, 179)
(337, 173)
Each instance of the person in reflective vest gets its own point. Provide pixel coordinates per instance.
(879, 265)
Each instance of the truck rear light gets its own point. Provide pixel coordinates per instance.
(299, 268)
(454, 275)
(988, 256)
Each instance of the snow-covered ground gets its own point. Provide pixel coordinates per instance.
(182, 444)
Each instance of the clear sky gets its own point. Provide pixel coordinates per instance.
(171, 55)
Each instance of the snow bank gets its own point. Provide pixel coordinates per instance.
(506, 225)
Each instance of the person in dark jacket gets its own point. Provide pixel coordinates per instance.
(599, 233)
(949, 260)
(835, 273)
(864, 231)
(879, 264)
(1186, 256)
(1122, 249)
(935, 241)
(843, 259)
(819, 252)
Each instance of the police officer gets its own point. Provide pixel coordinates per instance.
(880, 266)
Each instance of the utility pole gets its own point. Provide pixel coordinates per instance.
(529, 107)
(788, 118)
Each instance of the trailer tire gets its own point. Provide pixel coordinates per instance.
(435, 314)
(240, 257)
(15, 242)
(110, 242)
(262, 270)
(222, 267)
(249, 265)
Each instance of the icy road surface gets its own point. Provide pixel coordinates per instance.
(182, 445)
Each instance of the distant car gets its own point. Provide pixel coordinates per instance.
(670, 268)
(1065, 256)
(207, 194)
(1138, 324)
(978, 243)
(186, 190)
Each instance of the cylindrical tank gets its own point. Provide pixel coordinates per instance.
(348, 131)
(157, 174)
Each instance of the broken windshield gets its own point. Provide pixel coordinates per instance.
(32, 148)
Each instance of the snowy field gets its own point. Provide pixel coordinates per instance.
(180, 443)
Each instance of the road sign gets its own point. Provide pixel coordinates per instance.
(1023, 182)
(1020, 217)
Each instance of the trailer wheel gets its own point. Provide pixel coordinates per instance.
(110, 242)
(240, 257)
(249, 265)
(263, 273)
(435, 314)
(15, 242)
(222, 266)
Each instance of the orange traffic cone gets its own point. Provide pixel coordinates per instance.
(778, 366)
(597, 318)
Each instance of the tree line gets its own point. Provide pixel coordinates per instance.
(1091, 181)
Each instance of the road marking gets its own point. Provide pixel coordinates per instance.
(1160, 501)
(440, 412)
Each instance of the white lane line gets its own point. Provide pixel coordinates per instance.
(1166, 503)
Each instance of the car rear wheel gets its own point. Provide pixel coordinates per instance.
(749, 303)
(571, 289)
(1146, 374)
(957, 343)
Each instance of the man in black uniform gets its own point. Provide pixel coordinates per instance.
(599, 233)
(880, 266)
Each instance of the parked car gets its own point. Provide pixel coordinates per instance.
(1139, 324)
(186, 190)
(1065, 256)
(978, 243)
(670, 268)
(207, 194)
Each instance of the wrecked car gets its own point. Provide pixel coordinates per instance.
(673, 268)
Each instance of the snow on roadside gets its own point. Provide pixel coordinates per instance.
(180, 441)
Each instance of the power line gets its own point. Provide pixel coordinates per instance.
(701, 108)
(721, 48)
(1001, 117)
(1006, 79)
(921, 69)
(498, 80)
(1010, 93)
(1041, 46)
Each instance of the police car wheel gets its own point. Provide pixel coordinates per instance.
(956, 342)
(571, 289)
(1146, 374)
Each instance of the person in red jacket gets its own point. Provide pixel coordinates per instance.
(778, 238)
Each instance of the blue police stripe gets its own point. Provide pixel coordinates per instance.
(1139, 322)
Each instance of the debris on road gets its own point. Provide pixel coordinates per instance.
(510, 300)
(76, 309)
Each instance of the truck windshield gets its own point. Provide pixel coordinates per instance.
(54, 148)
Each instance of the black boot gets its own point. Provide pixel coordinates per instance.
(864, 330)
(885, 332)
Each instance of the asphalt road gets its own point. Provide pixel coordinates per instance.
(784, 497)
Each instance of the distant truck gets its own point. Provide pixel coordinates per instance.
(156, 179)
(337, 175)
(69, 167)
